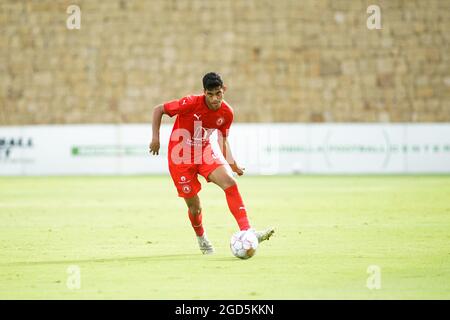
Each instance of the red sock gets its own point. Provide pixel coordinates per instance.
(237, 207)
(196, 222)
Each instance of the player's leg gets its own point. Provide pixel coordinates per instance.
(223, 178)
(195, 216)
(187, 184)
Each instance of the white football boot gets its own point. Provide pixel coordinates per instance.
(264, 235)
(205, 245)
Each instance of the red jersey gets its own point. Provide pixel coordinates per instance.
(196, 122)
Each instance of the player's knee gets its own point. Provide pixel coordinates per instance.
(195, 209)
(229, 181)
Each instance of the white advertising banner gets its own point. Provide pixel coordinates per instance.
(260, 148)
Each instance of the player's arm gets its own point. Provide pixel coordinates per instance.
(170, 108)
(226, 151)
(158, 112)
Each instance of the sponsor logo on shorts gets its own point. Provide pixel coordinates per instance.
(183, 180)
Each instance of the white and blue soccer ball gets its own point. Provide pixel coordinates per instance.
(243, 244)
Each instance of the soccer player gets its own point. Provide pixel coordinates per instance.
(190, 153)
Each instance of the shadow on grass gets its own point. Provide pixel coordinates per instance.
(227, 259)
(173, 257)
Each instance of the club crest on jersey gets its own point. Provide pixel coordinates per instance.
(220, 121)
(187, 189)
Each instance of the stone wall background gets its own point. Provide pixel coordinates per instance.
(283, 61)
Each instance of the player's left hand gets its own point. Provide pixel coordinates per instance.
(239, 170)
(154, 147)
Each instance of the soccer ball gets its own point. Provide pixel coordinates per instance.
(243, 244)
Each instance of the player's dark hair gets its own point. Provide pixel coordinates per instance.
(212, 80)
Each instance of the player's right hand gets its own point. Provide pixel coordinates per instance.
(154, 147)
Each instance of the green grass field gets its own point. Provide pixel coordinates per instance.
(131, 239)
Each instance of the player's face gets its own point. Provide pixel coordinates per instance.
(214, 98)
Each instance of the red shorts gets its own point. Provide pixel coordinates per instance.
(185, 176)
